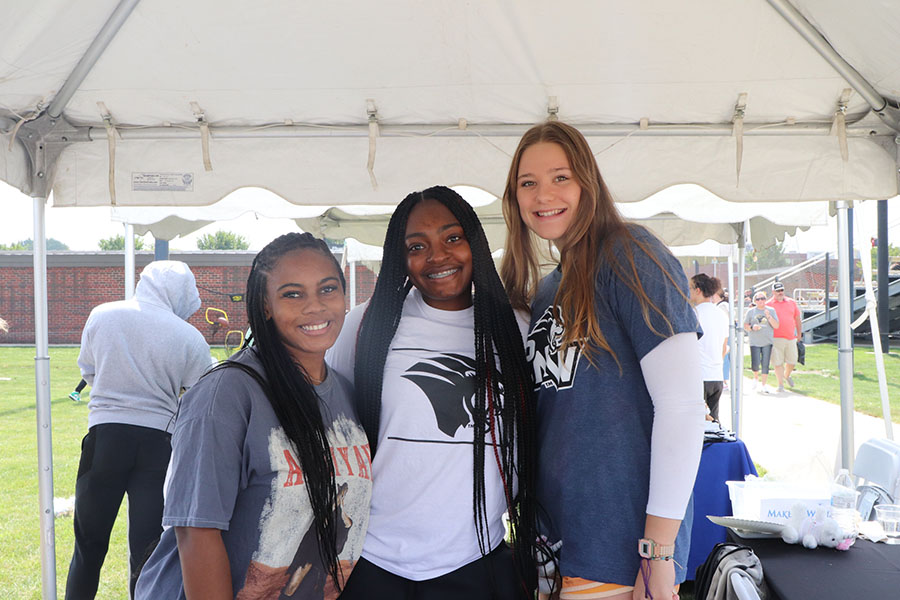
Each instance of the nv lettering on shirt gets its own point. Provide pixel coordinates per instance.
(551, 368)
(363, 462)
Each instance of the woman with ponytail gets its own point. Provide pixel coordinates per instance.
(444, 395)
(270, 479)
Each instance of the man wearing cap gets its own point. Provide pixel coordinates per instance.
(784, 346)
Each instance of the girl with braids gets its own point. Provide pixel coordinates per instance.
(613, 347)
(270, 477)
(444, 395)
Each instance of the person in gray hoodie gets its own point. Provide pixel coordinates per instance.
(138, 355)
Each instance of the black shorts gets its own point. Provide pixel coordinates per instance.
(491, 577)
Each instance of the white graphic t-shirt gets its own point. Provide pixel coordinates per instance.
(234, 469)
(421, 524)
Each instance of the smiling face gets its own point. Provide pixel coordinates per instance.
(546, 190)
(305, 300)
(438, 257)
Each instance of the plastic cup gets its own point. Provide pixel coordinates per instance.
(889, 517)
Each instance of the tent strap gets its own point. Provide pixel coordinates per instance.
(740, 109)
(111, 143)
(200, 116)
(839, 126)
(372, 112)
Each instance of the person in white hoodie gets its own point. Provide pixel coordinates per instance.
(138, 355)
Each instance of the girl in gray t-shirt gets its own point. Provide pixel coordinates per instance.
(760, 323)
(270, 480)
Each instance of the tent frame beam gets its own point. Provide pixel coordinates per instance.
(192, 131)
(109, 30)
(887, 111)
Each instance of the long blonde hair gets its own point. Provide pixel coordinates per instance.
(596, 234)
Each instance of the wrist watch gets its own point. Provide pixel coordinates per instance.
(649, 549)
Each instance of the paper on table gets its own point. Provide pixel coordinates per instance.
(872, 531)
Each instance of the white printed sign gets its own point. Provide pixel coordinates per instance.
(778, 510)
(162, 182)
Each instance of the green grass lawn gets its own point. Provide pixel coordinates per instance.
(819, 378)
(20, 576)
(20, 532)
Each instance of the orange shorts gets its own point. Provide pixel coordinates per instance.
(584, 589)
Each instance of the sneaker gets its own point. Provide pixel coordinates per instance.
(765, 390)
(75, 397)
(780, 389)
(758, 387)
(790, 381)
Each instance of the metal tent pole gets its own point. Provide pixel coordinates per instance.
(733, 373)
(889, 114)
(91, 56)
(738, 359)
(129, 260)
(42, 400)
(160, 249)
(352, 266)
(845, 350)
(883, 279)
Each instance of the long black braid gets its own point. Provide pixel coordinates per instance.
(292, 396)
(504, 405)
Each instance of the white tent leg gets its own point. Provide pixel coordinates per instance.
(738, 359)
(129, 260)
(733, 373)
(42, 399)
(875, 328)
(845, 350)
(352, 283)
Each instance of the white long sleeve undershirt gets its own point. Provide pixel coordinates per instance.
(672, 376)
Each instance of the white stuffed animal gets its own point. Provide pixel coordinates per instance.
(812, 532)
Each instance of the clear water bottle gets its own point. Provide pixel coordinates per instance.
(843, 504)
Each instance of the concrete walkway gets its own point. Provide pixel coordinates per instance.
(797, 438)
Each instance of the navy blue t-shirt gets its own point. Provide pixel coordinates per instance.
(595, 422)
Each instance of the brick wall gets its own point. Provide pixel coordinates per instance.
(77, 282)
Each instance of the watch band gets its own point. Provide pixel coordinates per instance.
(649, 549)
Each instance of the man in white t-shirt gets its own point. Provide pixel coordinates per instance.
(714, 343)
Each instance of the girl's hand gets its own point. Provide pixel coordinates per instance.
(661, 580)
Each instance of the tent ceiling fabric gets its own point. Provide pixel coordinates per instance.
(311, 67)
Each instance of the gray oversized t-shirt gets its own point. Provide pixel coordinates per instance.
(765, 336)
(233, 469)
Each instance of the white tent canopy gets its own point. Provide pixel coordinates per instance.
(180, 103)
(444, 89)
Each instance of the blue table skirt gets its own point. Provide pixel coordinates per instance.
(720, 462)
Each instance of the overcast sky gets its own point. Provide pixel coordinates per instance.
(81, 228)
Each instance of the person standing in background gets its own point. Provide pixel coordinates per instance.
(138, 355)
(720, 299)
(714, 343)
(784, 346)
(760, 323)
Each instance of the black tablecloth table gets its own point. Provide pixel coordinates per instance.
(867, 571)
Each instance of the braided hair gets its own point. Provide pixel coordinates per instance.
(291, 394)
(504, 406)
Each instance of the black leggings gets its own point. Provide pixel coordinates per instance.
(116, 459)
(492, 577)
(712, 390)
